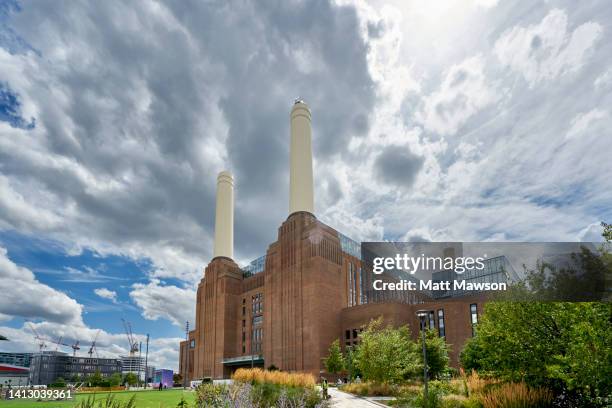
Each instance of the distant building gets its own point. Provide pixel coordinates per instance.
(48, 367)
(12, 375)
(16, 359)
(165, 377)
(150, 373)
(133, 364)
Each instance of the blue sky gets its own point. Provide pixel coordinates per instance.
(462, 120)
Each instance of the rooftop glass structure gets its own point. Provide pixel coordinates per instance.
(254, 267)
(349, 246)
(496, 270)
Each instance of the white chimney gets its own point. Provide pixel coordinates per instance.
(301, 187)
(224, 216)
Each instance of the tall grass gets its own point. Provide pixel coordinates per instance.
(475, 384)
(517, 395)
(259, 376)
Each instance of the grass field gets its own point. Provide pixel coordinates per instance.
(144, 399)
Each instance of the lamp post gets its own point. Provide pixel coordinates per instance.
(422, 315)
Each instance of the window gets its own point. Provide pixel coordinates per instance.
(192, 343)
(474, 317)
(350, 284)
(347, 334)
(432, 320)
(362, 298)
(441, 330)
(354, 333)
(257, 320)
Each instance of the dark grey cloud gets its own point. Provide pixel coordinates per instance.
(154, 100)
(398, 166)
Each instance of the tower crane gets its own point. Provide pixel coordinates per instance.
(92, 348)
(130, 336)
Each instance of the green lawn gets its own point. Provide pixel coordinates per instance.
(144, 399)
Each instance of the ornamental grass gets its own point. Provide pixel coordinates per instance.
(259, 376)
(517, 395)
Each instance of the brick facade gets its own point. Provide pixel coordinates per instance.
(310, 293)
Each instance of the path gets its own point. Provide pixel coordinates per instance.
(343, 400)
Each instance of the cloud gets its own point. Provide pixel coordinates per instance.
(164, 301)
(163, 351)
(547, 50)
(591, 233)
(106, 294)
(463, 93)
(582, 122)
(127, 143)
(398, 166)
(24, 296)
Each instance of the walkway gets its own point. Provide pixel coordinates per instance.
(341, 399)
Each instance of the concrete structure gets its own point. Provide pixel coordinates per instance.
(224, 216)
(287, 307)
(46, 368)
(301, 186)
(133, 364)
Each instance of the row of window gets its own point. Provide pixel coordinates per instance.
(431, 321)
(355, 276)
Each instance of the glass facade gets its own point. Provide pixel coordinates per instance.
(349, 246)
(254, 267)
(496, 270)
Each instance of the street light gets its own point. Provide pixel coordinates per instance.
(422, 315)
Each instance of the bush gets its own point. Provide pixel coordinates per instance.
(370, 389)
(243, 394)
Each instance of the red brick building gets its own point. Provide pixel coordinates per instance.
(286, 308)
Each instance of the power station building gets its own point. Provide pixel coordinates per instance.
(287, 307)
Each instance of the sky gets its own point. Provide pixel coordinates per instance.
(474, 120)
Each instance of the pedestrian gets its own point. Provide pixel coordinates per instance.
(324, 388)
(160, 386)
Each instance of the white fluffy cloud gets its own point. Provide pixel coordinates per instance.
(24, 296)
(464, 91)
(106, 294)
(548, 49)
(164, 301)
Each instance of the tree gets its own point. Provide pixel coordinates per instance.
(177, 378)
(607, 231)
(437, 354)
(130, 379)
(386, 354)
(565, 346)
(334, 363)
(114, 380)
(350, 363)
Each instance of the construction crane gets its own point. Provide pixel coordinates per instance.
(41, 341)
(130, 336)
(92, 348)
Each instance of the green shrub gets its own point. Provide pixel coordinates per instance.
(210, 395)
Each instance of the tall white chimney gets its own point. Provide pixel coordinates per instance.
(301, 187)
(224, 216)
